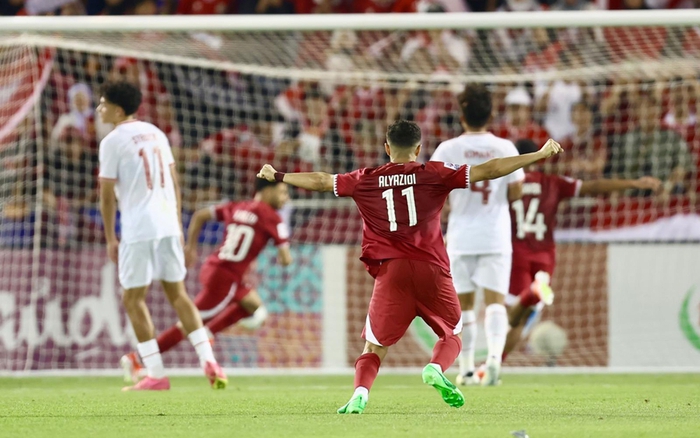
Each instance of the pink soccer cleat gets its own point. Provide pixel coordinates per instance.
(132, 367)
(150, 384)
(215, 374)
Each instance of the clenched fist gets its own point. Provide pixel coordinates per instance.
(550, 148)
(648, 183)
(267, 172)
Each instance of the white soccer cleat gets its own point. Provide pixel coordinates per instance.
(256, 320)
(131, 366)
(468, 379)
(492, 373)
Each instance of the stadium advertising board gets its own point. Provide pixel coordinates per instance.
(62, 310)
(654, 305)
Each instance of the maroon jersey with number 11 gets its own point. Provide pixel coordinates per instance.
(400, 205)
(534, 217)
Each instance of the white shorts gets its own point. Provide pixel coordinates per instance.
(488, 271)
(142, 262)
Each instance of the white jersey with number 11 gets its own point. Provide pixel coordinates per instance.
(479, 220)
(137, 156)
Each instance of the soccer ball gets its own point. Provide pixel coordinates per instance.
(548, 340)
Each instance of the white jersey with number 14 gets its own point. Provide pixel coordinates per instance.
(479, 220)
(137, 156)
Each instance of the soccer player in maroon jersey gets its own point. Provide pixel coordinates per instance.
(226, 297)
(402, 248)
(533, 219)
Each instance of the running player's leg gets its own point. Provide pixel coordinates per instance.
(214, 296)
(391, 311)
(493, 274)
(462, 268)
(240, 308)
(257, 312)
(170, 268)
(516, 331)
(520, 280)
(531, 286)
(214, 299)
(135, 275)
(366, 370)
(438, 305)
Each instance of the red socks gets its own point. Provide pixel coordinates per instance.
(366, 369)
(170, 338)
(228, 317)
(446, 351)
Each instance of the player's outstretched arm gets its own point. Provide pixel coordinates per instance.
(316, 181)
(199, 218)
(603, 186)
(499, 167)
(108, 209)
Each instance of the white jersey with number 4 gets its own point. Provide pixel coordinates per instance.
(479, 220)
(137, 156)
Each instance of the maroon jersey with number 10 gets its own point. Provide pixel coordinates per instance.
(249, 226)
(534, 217)
(400, 205)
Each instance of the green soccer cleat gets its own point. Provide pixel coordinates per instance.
(356, 405)
(542, 289)
(449, 392)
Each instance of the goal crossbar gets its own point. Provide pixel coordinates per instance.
(245, 23)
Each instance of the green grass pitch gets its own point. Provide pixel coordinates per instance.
(552, 406)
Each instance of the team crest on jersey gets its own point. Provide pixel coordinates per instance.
(451, 166)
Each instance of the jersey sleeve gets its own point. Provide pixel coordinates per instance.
(167, 152)
(568, 187)
(344, 183)
(220, 211)
(518, 175)
(453, 176)
(109, 159)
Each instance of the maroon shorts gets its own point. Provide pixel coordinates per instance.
(524, 268)
(219, 290)
(404, 289)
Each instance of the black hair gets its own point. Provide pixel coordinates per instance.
(123, 94)
(403, 134)
(262, 184)
(475, 103)
(526, 146)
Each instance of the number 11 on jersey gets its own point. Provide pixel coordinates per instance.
(388, 195)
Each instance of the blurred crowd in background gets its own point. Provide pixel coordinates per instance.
(152, 7)
(223, 125)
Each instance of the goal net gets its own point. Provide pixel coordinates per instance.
(620, 91)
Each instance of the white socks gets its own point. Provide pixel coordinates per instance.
(437, 366)
(200, 341)
(150, 356)
(361, 390)
(496, 328)
(466, 357)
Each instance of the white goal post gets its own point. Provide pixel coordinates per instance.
(620, 89)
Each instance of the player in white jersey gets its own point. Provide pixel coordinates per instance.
(137, 169)
(478, 232)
